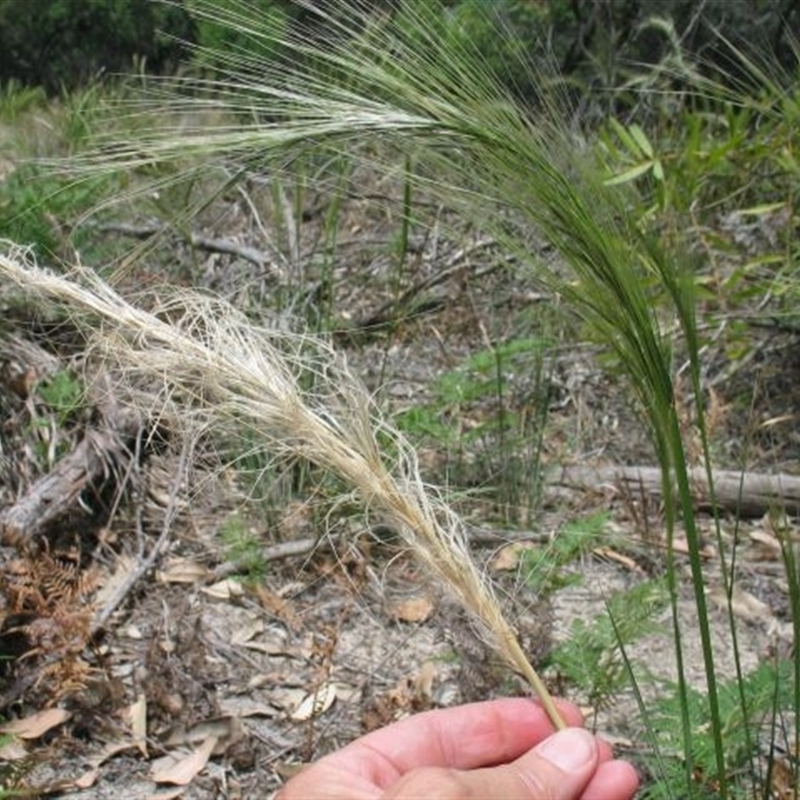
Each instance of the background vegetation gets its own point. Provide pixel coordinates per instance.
(658, 145)
(592, 45)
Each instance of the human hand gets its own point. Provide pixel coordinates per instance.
(498, 749)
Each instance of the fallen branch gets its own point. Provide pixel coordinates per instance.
(198, 240)
(747, 494)
(101, 453)
(304, 547)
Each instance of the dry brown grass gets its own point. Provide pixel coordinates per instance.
(225, 372)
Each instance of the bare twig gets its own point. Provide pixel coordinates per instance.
(145, 564)
(100, 452)
(455, 263)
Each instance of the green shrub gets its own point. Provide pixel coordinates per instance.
(755, 713)
(15, 99)
(37, 209)
(591, 658)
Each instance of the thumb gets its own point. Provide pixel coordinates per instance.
(559, 769)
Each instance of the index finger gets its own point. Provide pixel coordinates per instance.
(464, 737)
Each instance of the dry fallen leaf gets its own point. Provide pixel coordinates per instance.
(110, 750)
(286, 697)
(226, 731)
(610, 554)
(743, 604)
(766, 546)
(36, 725)
(415, 609)
(132, 632)
(137, 716)
(681, 545)
(182, 570)
(87, 780)
(508, 557)
(244, 633)
(244, 706)
(224, 589)
(182, 771)
(315, 703)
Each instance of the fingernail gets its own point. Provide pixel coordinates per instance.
(569, 749)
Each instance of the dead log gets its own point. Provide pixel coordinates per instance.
(747, 494)
(100, 456)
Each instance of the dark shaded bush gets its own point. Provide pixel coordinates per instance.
(594, 44)
(61, 44)
(600, 45)
(605, 33)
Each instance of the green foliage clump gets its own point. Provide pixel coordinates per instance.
(64, 393)
(715, 169)
(752, 712)
(16, 99)
(63, 396)
(543, 568)
(243, 547)
(37, 209)
(591, 658)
